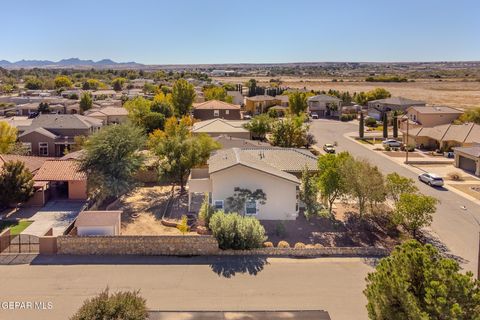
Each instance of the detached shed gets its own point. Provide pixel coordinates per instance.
(99, 223)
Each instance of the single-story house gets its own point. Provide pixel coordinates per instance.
(98, 223)
(443, 137)
(216, 109)
(431, 116)
(104, 94)
(324, 105)
(377, 108)
(275, 171)
(228, 142)
(217, 127)
(468, 159)
(109, 115)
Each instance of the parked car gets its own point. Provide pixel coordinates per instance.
(314, 115)
(329, 148)
(247, 117)
(392, 143)
(431, 179)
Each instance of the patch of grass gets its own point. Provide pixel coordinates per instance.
(16, 227)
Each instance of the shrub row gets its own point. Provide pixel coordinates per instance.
(299, 245)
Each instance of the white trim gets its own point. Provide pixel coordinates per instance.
(40, 148)
(256, 208)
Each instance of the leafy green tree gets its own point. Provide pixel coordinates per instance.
(377, 93)
(415, 211)
(385, 125)
(206, 211)
(471, 115)
(234, 231)
(331, 180)
(179, 149)
(396, 185)
(259, 126)
(43, 108)
(217, 93)
(153, 121)
(162, 103)
(138, 109)
(361, 127)
(33, 83)
(289, 132)
(8, 136)
(16, 183)
(117, 83)
(236, 203)
(111, 159)
(86, 102)
(63, 82)
(183, 95)
(92, 84)
(297, 102)
(252, 87)
(417, 282)
(309, 193)
(120, 305)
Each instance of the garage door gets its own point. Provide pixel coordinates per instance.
(467, 164)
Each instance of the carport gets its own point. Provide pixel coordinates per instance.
(468, 159)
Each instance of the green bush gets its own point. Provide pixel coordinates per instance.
(370, 122)
(234, 231)
(120, 305)
(206, 212)
(347, 117)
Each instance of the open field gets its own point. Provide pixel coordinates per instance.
(455, 93)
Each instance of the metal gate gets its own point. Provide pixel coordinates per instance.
(20, 243)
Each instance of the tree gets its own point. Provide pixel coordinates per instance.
(331, 180)
(471, 115)
(236, 203)
(16, 183)
(33, 83)
(179, 150)
(396, 185)
(120, 305)
(8, 136)
(385, 125)
(117, 83)
(138, 109)
(206, 211)
(252, 87)
(86, 102)
(217, 93)
(289, 132)
(377, 93)
(297, 102)
(183, 95)
(92, 84)
(361, 127)
(162, 103)
(111, 159)
(259, 126)
(417, 282)
(415, 211)
(63, 82)
(153, 121)
(309, 193)
(43, 108)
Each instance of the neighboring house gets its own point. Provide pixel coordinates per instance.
(104, 94)
(443, 137)
(228, 142)
(33, 164)
(216, 109)
(199, 95)
(217, 127)
(109, 115)
(468, 159)
(377, 108)
(98, 223)
(17, 121)
(237, 97)
(50, 135)
(431, 116)
(261, 103)
(275, 171)
(324, 105)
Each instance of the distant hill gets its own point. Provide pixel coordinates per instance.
(68, 63)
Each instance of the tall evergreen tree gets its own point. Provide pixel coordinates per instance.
(385, 125)
(361, 127)
(395, 124)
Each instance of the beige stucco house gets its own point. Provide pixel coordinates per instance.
(109, 115)
(431, 116)
(443, 136)
(217, 127)
(468, 159)
(275, 171)
(324, 105)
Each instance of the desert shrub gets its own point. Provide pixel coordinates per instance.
(347, 117)
(206, 212)
(283, 244)
(299, 245)
(370, 122)
(309, 246)
(234, 231)
(318, 246)
(268, 244)
(120, 305)
(455, 176)
(280, 230)
(183, 225)
(410, 148)
(387, 148)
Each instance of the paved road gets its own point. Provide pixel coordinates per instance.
(456, 228)
(191, 284)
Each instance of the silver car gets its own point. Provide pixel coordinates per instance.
(431, 179)
(392, 143)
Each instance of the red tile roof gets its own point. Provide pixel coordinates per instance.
(31, 163)
(60, 170)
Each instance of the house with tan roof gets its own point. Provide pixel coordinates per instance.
(275, 171)
(468, 158)
(261, 103)
(216, 109)
(109, 115)
(217, 127)
(324, 105)
(377, 108)
(431, 116)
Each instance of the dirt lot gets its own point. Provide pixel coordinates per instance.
(149, 204)
(345, 231)
(470, 189)
(455, 93)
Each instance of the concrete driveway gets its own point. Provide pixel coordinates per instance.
(55, 214)
(457, 230)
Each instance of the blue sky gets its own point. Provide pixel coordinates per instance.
(226, 31)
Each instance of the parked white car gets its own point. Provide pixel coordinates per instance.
(431, 179)
(392, 143)
(314, 115)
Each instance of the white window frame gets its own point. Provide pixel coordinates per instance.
(256, 207)
(216, 113)
(215, 204)
(227, 111)
(45, 145)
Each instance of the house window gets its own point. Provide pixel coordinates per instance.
(216, 113)
(251, 207)
(227, 111)
(28, 147)
(218, 204)
(43, 148)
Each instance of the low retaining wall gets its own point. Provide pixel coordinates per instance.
(198, 245)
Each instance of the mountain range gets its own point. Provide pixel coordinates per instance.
(67, 63)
